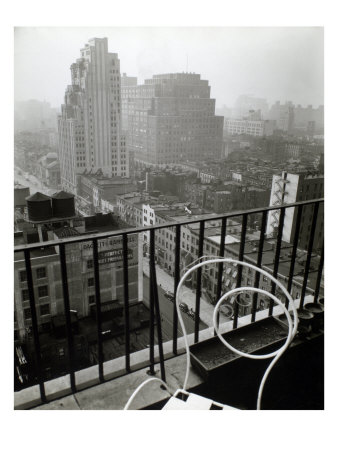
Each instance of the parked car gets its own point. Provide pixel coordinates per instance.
(184, 307)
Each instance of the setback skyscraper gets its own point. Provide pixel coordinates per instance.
(90, 137)
(171, 118)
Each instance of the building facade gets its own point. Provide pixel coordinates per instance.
(290, 188)
(47, 278)
(249, 127)
(90, 133)
(171, 119)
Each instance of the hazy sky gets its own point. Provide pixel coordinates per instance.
(275, 63)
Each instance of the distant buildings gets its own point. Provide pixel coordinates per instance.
(171, 119)
(95, 189)
(309, 118)
(250, 127)
(245, 103)
(283, 115)
(90, 135)
(48, 170)
(34, 116)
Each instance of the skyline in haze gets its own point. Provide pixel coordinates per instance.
(279, 63)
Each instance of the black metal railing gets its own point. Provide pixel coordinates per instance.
(154, 305)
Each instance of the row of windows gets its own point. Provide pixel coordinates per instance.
(43, 309)
(40, 273)
(42, 292)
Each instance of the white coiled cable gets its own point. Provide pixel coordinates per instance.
(276, 354)
(137, 390)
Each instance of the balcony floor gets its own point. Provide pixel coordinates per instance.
(295, 383)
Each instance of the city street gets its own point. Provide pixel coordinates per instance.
(167, 313)
(33, 183)
(187, 296)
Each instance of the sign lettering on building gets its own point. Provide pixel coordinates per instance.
(110, 250)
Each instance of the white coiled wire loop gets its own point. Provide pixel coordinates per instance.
(276, 354)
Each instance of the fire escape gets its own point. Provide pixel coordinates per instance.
(278, 199)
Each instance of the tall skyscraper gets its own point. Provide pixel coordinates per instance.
(172, 119)
(90, 137)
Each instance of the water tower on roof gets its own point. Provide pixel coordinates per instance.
(39, 207)
(63, 205)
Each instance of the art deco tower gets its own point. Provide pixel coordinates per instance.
(90, 137)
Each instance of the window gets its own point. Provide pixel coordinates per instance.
(91, 299)
(27, 313)
(25, 295)
(44, 309)
(90, 282)
(23, 276)
(43, 291)
(41, 272)
(90, 264)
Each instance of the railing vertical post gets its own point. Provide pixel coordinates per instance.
(199, 282)
(151, 307)
(177, 280)
(34, 324)
(67, 315)
(319, 274)
(157, 306)
(294, 251)
(277, 255)
(259, 264)
(98, 309)
(240, 258)
(126, 300)
(220, 265)
(309, 253)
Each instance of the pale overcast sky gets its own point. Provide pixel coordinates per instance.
(274, 63)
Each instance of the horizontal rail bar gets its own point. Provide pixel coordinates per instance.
(107, 234)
